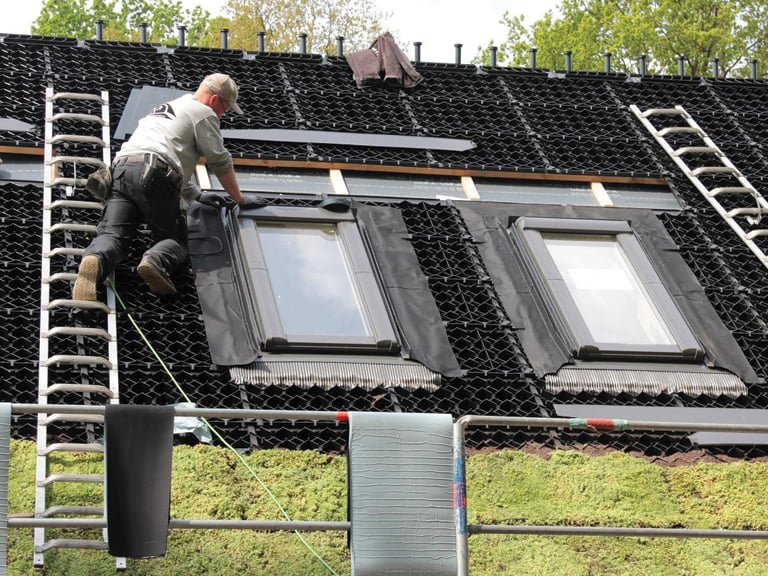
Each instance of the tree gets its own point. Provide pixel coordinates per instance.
(122, 19)
(282, 21)
(731, 31)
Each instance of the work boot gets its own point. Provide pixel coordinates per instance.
(153, 274)
(87, 279)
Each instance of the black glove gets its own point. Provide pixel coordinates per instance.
(251, 201)
(216, 200)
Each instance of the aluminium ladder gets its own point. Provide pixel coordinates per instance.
(77, 362)
(744, 199)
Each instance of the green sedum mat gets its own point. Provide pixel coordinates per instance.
(509, 487)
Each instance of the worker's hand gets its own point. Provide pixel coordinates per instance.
(216, 200)
(251, 201)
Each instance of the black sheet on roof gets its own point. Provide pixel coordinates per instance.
(230, 338)
(546, 350)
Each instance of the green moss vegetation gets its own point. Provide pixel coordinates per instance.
(505, 487)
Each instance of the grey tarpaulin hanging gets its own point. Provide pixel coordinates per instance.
(383, 63)
(401, 494)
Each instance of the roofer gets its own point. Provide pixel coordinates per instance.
(150, 174)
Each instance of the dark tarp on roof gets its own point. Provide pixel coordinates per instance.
(546, 350)
(383, 62)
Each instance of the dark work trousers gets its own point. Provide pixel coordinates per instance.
(142, 192)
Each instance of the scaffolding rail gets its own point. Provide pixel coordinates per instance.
(462, 528)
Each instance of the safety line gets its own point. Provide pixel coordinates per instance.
(218, 434)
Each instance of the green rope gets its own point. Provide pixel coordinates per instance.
(218, 435)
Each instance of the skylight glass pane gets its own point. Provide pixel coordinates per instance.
(311, 280)
(606, 290)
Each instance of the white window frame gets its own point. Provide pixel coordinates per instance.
(561, 303)
(262, 301)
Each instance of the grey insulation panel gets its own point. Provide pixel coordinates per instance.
(400, 492)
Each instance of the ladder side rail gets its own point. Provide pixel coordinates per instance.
(41, 460)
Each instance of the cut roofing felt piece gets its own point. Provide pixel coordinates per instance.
(352, 139)
(16, 125)
(140, 103)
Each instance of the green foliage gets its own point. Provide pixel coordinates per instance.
(358, 21)
(505, 487)
(732, 31)
(282, 21)
(122, 19)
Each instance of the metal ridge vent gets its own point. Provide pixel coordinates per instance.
(652, 382)
(332, 373)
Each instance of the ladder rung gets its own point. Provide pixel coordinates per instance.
(76, 159)
(73, 478)
(75, 204)
(60, 277)
(71, 227)
(76, 96)
(73, 511)
(757, 233)
(77, 116)
(753, 211)
(71, 447)
(77, 331)
(82, 304)
(68, 182)
(77, 359)
(696, 150)
(72, 543)
(662, 112)
(84, 418)
(732, 190)
(78, 138)
(90, 388)
(680, 130)
(64, 251)
(715, 170)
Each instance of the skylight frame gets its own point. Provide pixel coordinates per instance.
(559, 300)
(262, 300)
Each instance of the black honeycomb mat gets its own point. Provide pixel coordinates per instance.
(519, 120)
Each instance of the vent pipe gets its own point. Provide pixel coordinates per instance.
(224, 38)
(533, 58)
(303, 42)
(339, 46)
(715, 68)
(99, 30)
(417, 52)
(458, 53)
(261, 41)
(607, 63)
(143, 33)
(680, 65)
(182, 35)
(494, 49)
(641, 64)
(568, 63)
(753, 68)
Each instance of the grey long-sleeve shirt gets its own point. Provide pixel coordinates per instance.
(180, 132)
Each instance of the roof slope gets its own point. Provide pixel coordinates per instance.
(537, 122)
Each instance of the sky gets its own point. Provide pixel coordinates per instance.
(437, 24)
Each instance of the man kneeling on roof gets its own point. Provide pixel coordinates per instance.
(151, 173)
